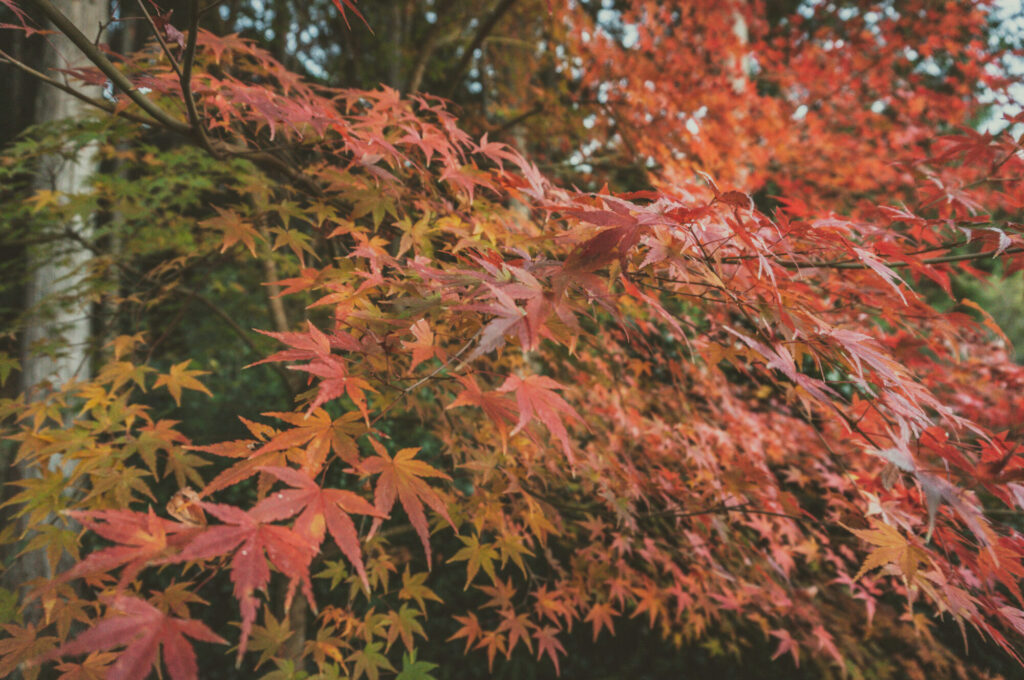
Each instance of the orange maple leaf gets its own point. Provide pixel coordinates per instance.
(179, 377)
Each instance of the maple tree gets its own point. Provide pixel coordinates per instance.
(737, 401)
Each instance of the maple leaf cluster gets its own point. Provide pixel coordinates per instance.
(666, 405)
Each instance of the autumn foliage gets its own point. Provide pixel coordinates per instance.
(739, 402)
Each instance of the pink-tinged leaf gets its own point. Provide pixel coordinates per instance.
(826, 643)
(143, 537)
(876, 265)
(786, 645)
(548, 643)
(497, 407)
(536, 398)
(603, 218)
(253, 544)
(423, 348)
(322, 511)
(402, 477)
(309, 345)
(143, 629)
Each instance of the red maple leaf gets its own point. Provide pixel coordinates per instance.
(142, 537)
(423, 349)
(143, 629)
(315, 346)
(496, 406)
(253, 543)
(402, 477)
(536, 399)
(786, 644)
(322, 511)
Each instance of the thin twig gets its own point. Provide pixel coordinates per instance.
(160, 38)
(238, 330)
(433, 374)
(107, 107)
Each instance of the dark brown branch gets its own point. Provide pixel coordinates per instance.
(187, 61)
(64, 87)
(160, 38)
(93, 53)
(427, 47)
(853, 264)
(512, 122)
(945, 259)
(467, 57)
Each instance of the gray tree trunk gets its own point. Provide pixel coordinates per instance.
(57, 271)
(57, 313)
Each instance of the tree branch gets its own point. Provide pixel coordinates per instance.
(238, 330)
(187, 61)
(160, 38)
(5, 58)
(945, 259)
(93, 53)
(512, 122)
(467, 57)
(427, 47)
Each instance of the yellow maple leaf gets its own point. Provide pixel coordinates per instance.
(180, 377)
(44, 198)
(890, 547)
(235, 227)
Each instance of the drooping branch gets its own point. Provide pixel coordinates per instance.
(945, 259)
(262, 158)
(106, 107)
(96, 56)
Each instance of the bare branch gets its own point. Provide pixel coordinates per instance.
(427, 47)
(108, 107)
(467, 57)
(93, 53)
(187, 61)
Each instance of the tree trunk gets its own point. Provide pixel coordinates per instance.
(58, 271)
(56, 337)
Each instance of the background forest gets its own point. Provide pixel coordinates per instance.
(518, 338)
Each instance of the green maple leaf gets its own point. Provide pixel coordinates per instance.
(268, 638)
(476, 556)
(413, 588)
(369, 660)
(415, 670)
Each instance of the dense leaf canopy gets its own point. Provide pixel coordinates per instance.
(660, 326)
